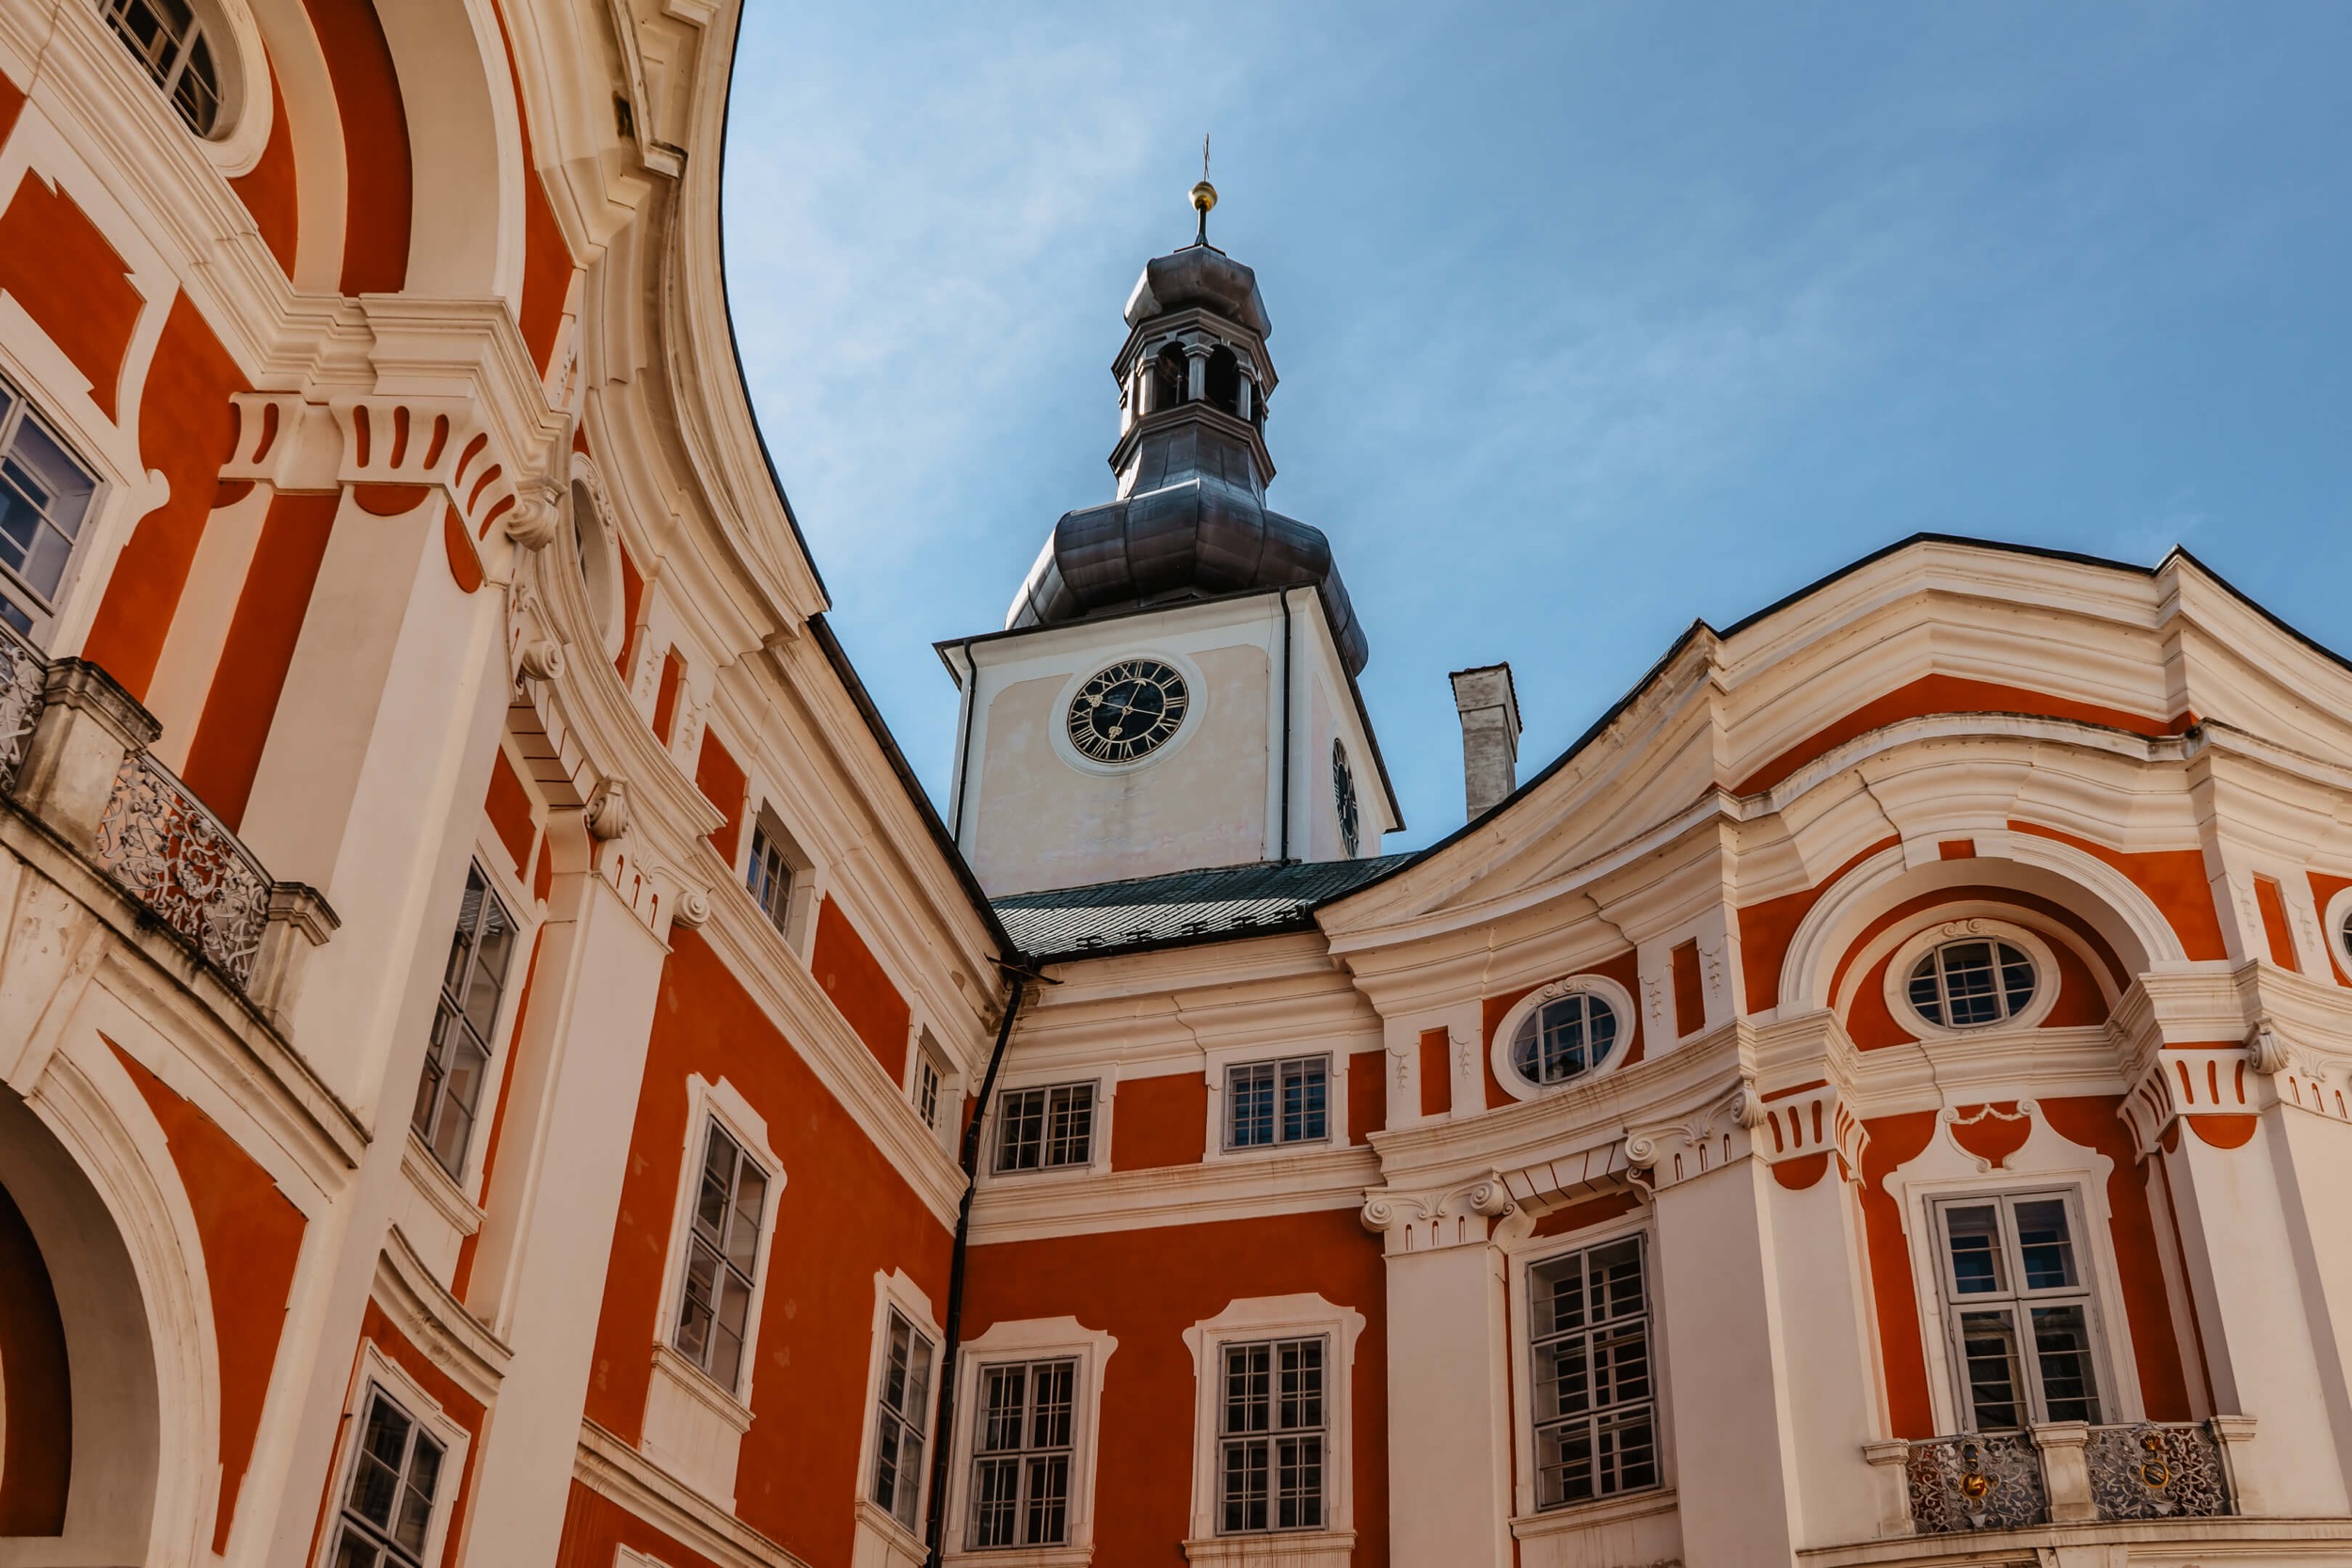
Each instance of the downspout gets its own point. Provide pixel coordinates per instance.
(1286, 726)
(943, 1427)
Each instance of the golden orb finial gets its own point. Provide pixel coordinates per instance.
(1203, 195)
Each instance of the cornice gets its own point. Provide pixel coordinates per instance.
(1211, 1192)
(435, 1323)
(612, 1469)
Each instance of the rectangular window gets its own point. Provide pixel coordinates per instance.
(46, 495)
(449, 1096)
(769, 878)
(1594, 1403)
(1046, 1129)
(1277, 1103)
(1021, 1464)
(2018, 1311)
(1270, 1437)
(906, 1407)
(927, 1078)
(721, 1252)
(389, 1508)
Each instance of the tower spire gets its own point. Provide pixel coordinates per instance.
(1204, 193)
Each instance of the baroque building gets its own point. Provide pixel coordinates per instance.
(503, 1064)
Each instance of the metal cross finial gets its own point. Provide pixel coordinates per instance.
(1203, 195)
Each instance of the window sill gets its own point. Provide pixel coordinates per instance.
(896, 1542)
(1022, 1556)
(692, 1428)
(1277, 1549)
(438, 1187)
(1605, 1511)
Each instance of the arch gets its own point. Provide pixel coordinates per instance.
(1167, 379)
(137, 1477)
(305, 92)
(2104, 898)
(1223, 381)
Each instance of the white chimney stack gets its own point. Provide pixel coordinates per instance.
(1490, 734)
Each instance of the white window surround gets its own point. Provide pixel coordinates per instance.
(1197, 702)
(946, 1123)
(1247, 1320)
(762, 815)
(693, 1427)
(1597, 986)
(1524, 1257)
(1098, 1150)
(1335, 1109)
(376, 1370)
(1030, 1339)
(2044, 1163)
(894, 1290)
(2331, 922)
(1975, 927)
(2014, 1302)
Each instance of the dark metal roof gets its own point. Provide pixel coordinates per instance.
(1182, 908)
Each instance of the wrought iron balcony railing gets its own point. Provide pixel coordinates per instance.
(2061, 1472)
(73, 753)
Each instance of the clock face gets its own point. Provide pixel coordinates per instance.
(1343, 795)
(1128, 711)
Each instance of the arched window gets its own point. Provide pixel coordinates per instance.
(1564, 1038)
(1167, 379)
(1224, 381)
(1968, 985)
(169, 39)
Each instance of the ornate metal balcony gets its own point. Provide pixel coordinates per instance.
(21, 672)
(2063, 1473)
(1990, 1481)
(173, 855)
(2157, 1471)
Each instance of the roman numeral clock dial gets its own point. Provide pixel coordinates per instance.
(1128, 711)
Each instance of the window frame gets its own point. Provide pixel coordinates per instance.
(1029, 1339)
(1530, 1425)
(1259, 1320)
(793, 925)
(2019, 1299)
(719, 1105)
(1098, 1134)
(1620, 1001)
(896, 1293)
(374, 1374)
(1527, 1254)
(1962, 926)
(1333, 1132)
(19, 591)
(483, 862)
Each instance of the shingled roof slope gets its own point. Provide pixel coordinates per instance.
(1180, 908)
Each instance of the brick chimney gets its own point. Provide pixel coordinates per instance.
(1490, 734)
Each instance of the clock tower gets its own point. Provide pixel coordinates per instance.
(1174, 686)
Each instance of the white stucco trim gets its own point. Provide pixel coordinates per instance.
(1031, 1340)
(1620, 1001)
(1290, 1317)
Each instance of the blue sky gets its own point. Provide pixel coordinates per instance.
(1591, 319)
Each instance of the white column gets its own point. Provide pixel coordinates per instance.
(2267, 1264)
(1449, 1383)
(1719, 1295)
(554, 1217)
(1825, 1335)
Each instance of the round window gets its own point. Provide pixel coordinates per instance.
(1968, 985)
(1563, 1039)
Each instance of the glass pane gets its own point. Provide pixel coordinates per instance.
(461, 942)
(893, 1389)
(1524, 1057)
(1563, 1465)
(1600, 1029)
(453, 1121)
(1021, 1130)
(1243, 1486)
(1988, 1350)
(1628, 1456)
(375, 1475)
(1616, 1279)
(1925, 995)
(718, 1179)
(726, 1355)
(2016, 978)
(1003, 1400)
(1298, 1484)
(1562, 1379)
(416, 1498)
(1070, 1125)
(2061, 1345)
(751, 1198)
(67, 484)
(1049, 1500)
(910, 1466)
(2043, 1244)
(1248, 1388)
(1303, 1091)
(918, 1408)
(1050, 1404)
(1969, 988)
(1251, 1097)
(1974, 1236)
(1621, 1365)
(1301, 1384)
(1558, 1290)
(996, 1501)
(493, 946)
(885, 1462)
(355, 1551)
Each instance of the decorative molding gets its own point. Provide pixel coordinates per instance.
(1433, 1221)
(436, 1322)
(613, 1470)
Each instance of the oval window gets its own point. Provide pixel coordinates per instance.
(1968, 985)
(1563, 1039)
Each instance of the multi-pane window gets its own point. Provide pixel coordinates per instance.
(1564, 1038)
(722, 1255)
(166, 37)
(449, 1096)
(1596, 1402)
(2018, 1311)
(1270, 1437)
(1277, 1103)
(1046, 1129)
(900, 1424)
(769, 878)
(44, 498)
(1022, 1456)
(928, 1079)
(1966, 984)
(389, 1508)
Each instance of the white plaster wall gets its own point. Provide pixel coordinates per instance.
(1449, 1420)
